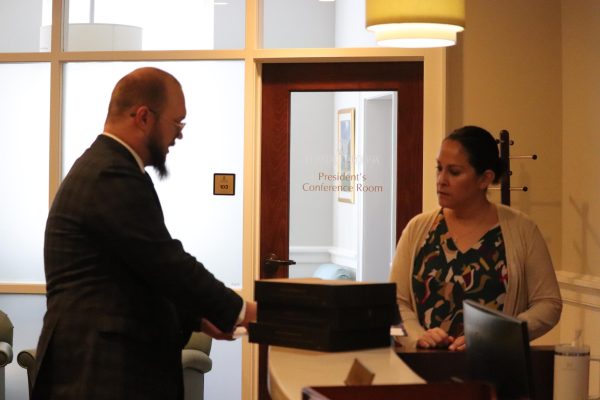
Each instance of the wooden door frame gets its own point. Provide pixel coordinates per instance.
(278, 81)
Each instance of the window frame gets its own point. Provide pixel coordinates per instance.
(253, 56)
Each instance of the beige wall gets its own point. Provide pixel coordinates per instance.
(581, 136)
(506, 74)
(580, 277)
(533, 67)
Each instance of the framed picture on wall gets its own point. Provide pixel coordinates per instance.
(345, 154)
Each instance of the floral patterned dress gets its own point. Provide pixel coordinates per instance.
(443, 276)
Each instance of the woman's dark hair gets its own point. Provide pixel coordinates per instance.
(481, 149)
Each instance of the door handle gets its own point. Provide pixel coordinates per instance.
(272, 263)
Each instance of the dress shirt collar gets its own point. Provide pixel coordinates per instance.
(133, 153)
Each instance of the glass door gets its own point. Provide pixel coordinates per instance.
(342, 184)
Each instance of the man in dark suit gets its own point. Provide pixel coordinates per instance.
(123, 296)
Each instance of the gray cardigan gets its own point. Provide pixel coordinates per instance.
(533, 294)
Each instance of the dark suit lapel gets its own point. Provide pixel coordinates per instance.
(151, 184)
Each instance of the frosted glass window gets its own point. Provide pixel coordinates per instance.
(97, 25)
(209, 226)
(315, 24)
(24, 133)
(20, 25)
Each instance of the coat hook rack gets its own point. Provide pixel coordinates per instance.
(505, 142)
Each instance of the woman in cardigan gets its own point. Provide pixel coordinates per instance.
(471, 248)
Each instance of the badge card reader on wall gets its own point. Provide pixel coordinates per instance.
(224, 185)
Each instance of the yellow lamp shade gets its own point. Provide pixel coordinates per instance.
(415, 23)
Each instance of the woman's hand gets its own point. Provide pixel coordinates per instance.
(435, 338)
(458, 344)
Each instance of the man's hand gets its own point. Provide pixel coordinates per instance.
(251, 310)
(211, 330)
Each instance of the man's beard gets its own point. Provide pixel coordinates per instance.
(158, 158)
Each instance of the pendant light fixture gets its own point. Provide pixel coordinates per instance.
(415, 23)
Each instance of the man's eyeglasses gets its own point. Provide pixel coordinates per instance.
(179, 125)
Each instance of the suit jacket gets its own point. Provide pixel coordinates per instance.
(122, 294)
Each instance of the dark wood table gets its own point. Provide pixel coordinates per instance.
(444, 365)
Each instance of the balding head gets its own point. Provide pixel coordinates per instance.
(144, 86)
(146, 111)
